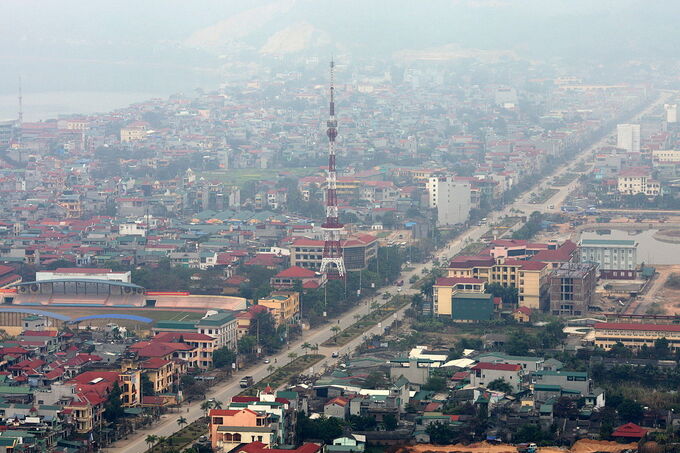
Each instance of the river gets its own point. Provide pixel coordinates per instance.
(41, 106)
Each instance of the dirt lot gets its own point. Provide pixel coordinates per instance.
(581, 446)
(665, 300)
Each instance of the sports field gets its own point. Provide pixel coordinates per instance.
(240, 176)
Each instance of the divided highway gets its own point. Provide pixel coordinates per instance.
(225, 391)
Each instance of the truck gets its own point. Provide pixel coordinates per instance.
(527, 448)
(246, 382)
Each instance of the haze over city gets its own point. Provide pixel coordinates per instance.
(358, 226)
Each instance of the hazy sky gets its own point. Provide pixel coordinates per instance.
(151, 45)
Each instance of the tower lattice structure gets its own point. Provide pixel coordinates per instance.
(332, 262)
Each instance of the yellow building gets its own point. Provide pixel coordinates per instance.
(83, 415)
(633, 335)
(444, 288)
(633, 181)
(284, 306)
(131, 387)
(666, 155)
(160, 373)
(529, 277)
(134, 132)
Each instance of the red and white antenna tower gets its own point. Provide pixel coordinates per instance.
(332, 263)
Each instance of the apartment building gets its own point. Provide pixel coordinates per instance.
(284, 307)
(451, 199)
(445, 287)
(357, 251)
(615, 258)
(529, 277)
(633, 181)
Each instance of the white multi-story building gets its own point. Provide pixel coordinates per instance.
(615, 258)
(450, 198)
(671, 113)
(628, 137)
(632, 181)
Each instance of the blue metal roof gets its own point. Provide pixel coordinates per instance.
(116, 316)
(79, 280)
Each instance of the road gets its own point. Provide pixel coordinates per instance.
(225, 391)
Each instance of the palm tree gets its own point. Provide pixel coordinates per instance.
(162, 441)
(150, 440)
(216, 404)
(335, 330)
(305, 346)
(206, 406)
(181, 422)
(315, 347)
(270, 369)
(292, 356)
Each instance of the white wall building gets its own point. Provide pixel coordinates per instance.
(671, 113)
(451, 198)
(628, 137)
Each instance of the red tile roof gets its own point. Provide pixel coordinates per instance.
(497, 366)
(296, 272)
(154, 363)
(259, 447)
(638, 326)
(340, 401)
(81, 270)
(629, 430)
(171, 337)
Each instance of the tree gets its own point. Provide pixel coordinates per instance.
(292, 356)
(335, 330)
(162, 440)
(113, 408)
(305, 346)
(519, 343)
(435, 384)
(530, 433)
(322, 428)
(223, 357)
(151, 440)
(246, 345)
(630, 411)
(375, 379)
(181, 422)
(441, 433)
(216, 404)
(147, 386)
(661, 348)
(390, 422)
(206, 406)
(362, 422)
(500, 385)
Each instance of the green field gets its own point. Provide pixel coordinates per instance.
(155, 314)
(240, 176)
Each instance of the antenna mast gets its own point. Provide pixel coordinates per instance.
(332, 263)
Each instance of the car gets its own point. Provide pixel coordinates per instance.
(266, 360)
(335, 354)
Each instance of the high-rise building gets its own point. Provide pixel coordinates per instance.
(450, 198)
(671, 113)
(628, 137)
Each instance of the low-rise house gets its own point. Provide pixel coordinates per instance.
(231, 427)
(337, 407)
(484, 373)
